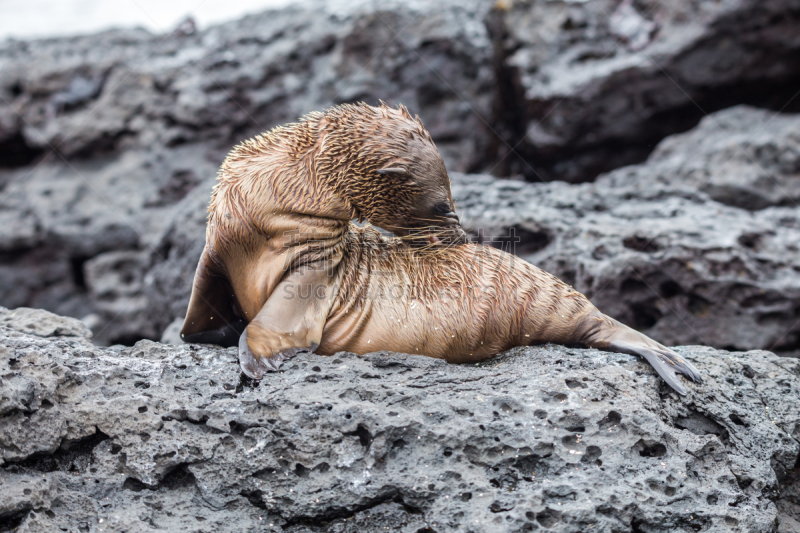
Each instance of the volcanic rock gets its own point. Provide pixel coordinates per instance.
(155, 437)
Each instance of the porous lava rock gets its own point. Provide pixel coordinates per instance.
(163, 437)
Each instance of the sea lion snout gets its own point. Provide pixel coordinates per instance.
(455, 235)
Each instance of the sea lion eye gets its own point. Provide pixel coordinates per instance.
(397, 171)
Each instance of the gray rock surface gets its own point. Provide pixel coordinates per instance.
(43, 323)
(742, 157)
(600, 83)
(76, 238)
(157, 437)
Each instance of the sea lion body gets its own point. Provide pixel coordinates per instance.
(462, 304)
(285, 270)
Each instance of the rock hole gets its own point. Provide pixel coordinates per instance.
(520, 241)
(631, 285)
(591, 454)
(126, 340)
(71, 456)
(670, 288)
(237, 428)
(698, 306)
(737, 420)
(46, 404)
(448, 452)
(466, 496)
(639, 243)
(498, 507)
(650, 448)
(644, 315)
(133, 484)
(700, 424)
(143, 409)
(16, 152)
(245, 383)
(750, 240)
(548, 518)
(766, 319)
(743, 482)
(571, 442)
(300, 470)
(574, 384)
(177, 478)
(77, 264)
(255, 497)
(612, 419)
(363, 434)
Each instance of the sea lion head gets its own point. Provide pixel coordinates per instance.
(423, 211)
(403, 186)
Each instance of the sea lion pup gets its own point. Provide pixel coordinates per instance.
(282, 257)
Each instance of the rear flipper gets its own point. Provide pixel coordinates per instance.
(605, 333)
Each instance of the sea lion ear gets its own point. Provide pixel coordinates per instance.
(394, 171)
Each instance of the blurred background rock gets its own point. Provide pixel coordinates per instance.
(646, 152)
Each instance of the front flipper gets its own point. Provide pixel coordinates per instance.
(605, 333)
(290, 322)
(255, 367)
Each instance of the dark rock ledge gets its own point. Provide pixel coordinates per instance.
(156, 437)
